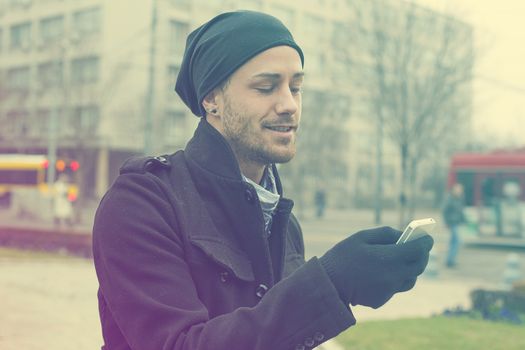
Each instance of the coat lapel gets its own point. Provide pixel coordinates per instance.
(231, 201)
(200, 227)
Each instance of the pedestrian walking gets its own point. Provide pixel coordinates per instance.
(454, 216)
(320, 202)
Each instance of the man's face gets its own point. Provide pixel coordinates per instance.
(260, 107)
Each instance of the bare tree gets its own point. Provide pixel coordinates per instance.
(418, 77)
(321, 143)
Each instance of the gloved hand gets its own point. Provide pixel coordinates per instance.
(368, 267)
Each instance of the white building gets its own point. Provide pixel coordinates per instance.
(87, 64)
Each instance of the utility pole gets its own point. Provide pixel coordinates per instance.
(379, 168)
(62, 100)
(53, 121)
(52, 148)
(150, 97)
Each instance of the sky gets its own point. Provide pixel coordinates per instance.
(499, 84)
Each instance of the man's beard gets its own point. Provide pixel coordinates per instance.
(245, 141)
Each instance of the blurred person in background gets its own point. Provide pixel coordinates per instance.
(62, 207)
(454, 217)
(320, 201)
(200, 250)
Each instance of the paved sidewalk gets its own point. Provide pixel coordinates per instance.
(429, 297)
(330, 345)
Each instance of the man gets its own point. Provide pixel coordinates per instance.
(199, 249)
(454, 216)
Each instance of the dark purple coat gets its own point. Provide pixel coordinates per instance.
(183, 262)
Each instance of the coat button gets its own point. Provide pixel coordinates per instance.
(249, 196)
(309, 342)
(319, 336)
(224, 276)
(300, 347)
(261, 290)
(162, 159)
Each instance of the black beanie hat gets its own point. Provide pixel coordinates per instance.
(217, 48)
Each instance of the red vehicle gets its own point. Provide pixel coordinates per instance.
(494, 188)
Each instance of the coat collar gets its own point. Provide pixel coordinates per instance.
(210, 150)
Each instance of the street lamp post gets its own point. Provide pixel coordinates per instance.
(61, 95)
(52, 147)
(150, 97)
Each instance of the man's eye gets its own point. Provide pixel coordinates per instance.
(265, 90)
(296, 90)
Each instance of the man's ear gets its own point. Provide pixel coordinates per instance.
(211, 103)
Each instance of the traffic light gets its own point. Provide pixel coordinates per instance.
(74, 165)
(63, 165)
(60, 165)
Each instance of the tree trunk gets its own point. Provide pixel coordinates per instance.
(413, 189)
(379, 170)
(404, 180)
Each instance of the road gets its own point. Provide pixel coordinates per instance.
(48, 302)
(484, 265)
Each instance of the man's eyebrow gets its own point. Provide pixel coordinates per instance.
(277, 76)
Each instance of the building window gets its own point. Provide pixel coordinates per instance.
(341, 33)
(20, 3)
(174, 127)
(85, 70)
(364, 177)
(365, 143)
(314, 28)
(61, 123)
(21, 36)
(51, 29)
(316, 62)
(286, 15)
(17, 122)
(87, 22)
(252, 4)
(173, 73)
(184, 5)
(18, 79)
(42, 122)
(50, 74)
(85, 119)
(340, 66)
(178, 34)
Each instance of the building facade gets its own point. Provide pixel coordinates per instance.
(97, 77)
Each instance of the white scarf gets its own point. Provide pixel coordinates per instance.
(268, 196)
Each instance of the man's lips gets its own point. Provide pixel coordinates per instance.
(281, 128)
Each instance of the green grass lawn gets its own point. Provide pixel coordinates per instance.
(450, 333)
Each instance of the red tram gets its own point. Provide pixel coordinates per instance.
(494, 189)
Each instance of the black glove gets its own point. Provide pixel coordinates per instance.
(368, 268)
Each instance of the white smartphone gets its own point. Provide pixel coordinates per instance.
(416, 229)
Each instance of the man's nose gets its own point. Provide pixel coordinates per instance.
(287, 103)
